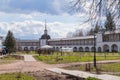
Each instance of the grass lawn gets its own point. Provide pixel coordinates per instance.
(16, 76)
(10, 58)
(26, 52)
(109, 68)
(56, 58)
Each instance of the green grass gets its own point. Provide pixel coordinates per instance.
(113, 67)
(56, 58)
(9, 59)
(117, 74)
(16, 76)
(26, 52)
(108, 67)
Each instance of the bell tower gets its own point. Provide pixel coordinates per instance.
(44, 37)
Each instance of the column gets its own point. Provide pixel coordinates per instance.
(101, 48)
(118, 47)
(110, 49)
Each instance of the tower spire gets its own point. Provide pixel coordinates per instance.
(45, 36)
(45, 31)
(45, 25)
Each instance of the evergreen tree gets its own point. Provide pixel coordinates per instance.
(10, 42)
(109, 24)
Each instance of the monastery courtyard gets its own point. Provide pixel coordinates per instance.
(29, 64)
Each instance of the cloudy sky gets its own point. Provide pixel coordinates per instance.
(25, 18)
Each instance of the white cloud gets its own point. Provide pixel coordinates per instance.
(20, 16)
(80, 15)
(26, 16)
(28, 22)
(32, 25)
(35, 28)
(32, 15)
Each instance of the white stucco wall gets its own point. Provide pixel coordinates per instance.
(42, 42)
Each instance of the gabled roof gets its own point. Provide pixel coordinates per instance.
(74, 38)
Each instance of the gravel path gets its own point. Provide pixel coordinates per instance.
(29, 58)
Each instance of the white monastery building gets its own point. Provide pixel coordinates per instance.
(104, 42)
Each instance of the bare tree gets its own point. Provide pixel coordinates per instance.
(90, 32)
(97, 9)
(93, 30)
(77, 33)
(69, 34)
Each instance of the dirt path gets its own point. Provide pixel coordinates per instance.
(23, 66)
(28, 64)
(28, 58)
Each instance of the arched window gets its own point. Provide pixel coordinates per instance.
(87, 49)
(80, 49)
(99, 49)
(25, 48)
(92, 49)
(32, 48)
(106, 48)
(75, 49)
(114, 48)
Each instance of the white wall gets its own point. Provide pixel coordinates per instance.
(42, 42)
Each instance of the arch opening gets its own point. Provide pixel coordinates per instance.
(114, 48)
(25, 48)
(80, 49)
(93, 49)
(32, 48)
(75, 49)
(106, 48)
(87, 49)
(99, 49)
